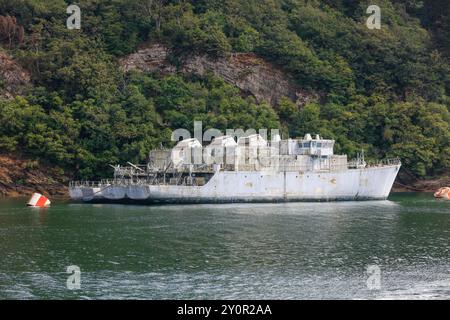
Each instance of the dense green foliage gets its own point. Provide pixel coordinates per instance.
(386, 91)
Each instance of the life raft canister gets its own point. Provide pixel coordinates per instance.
(443, 192)
(38, 200)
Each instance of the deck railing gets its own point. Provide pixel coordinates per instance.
(104, 183)
(384, 162)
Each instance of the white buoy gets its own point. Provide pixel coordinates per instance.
(38, 200)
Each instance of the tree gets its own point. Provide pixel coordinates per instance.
(153, 9)
(10, 31)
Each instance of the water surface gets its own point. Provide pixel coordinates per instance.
(227, 251)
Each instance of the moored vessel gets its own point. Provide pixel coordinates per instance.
(250, 169)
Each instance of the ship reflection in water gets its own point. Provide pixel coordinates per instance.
(237, 251)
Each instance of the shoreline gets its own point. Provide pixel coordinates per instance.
(21, 177)
(61, 191)
(66, 197)
(421, 185)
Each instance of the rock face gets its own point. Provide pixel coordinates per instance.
(246, 71)
(13, 78)
(151, 59)
(20, 176)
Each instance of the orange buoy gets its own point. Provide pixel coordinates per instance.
(38, 200)
(443, 193)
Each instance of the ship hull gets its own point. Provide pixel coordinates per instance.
(372, 183)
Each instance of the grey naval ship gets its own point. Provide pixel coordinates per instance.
(246, 169)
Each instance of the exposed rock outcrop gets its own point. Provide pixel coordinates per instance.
(151, 59)
(23, 177)
(406, 183)
(247, 71)
(13, 78)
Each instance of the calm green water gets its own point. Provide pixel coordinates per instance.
(237, 251)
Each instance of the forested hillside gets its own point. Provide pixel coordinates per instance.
(385, 91)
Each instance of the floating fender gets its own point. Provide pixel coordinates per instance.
(443, 193)
(38, 200)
